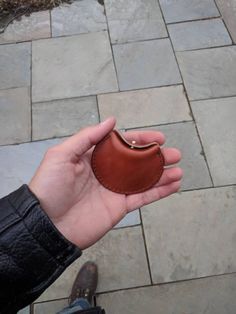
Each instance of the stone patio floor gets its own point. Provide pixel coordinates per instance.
(168, 65)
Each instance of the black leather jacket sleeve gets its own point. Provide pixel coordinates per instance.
(32, 251)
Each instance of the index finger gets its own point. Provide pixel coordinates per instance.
(144, 137)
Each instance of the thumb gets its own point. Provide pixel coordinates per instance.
(82, 141)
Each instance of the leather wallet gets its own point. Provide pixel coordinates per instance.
(124, 167)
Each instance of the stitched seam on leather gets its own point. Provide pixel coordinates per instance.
(33, 236)
(15, 220)
(60, 255)
(95, 151)
(124, 192)
(112, 188)
(63, 253)
(24, 199)
(12, 222)
(26, 210)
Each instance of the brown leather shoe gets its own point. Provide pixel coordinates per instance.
(85, 283)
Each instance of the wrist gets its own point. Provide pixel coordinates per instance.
(57, 223)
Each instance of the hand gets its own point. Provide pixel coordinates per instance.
(78, 205)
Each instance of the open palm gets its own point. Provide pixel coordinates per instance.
(79, 206)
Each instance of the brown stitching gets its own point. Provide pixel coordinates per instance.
(101, 180)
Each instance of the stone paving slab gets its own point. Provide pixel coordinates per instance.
(184, 137)
(199, 34)
(228, 11)
(191, 234)
(79, 17)
(145, 107)
(131, 219)
(134, 20)
(214, 295)
(15, 65)
(35, 26)
(216, 124)
(50, 307)
(19, 162)
(209, 73)
(72, 66)
(183, 10)
(15, 116)
(115, 271)
(63, 117)
(146, 64)
(26, 310)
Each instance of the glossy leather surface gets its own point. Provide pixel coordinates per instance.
(126, 168)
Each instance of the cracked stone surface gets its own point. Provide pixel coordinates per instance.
(184, 241)
(15, 65)
(162, 105)
(182, 10)
(199, 34)
(221, 154)
(215, 295)
(146, 64)
(73, 66)
(79, 17)
(63, 117)
(228, 11)
(134, 20)
(15, 116)
(209, 73)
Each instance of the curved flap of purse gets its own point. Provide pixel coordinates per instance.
(132, 145)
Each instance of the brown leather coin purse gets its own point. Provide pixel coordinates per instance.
(126, 168)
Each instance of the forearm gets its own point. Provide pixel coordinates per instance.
(32, 251)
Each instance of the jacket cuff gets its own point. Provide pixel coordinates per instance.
(33, 252)
(39, 225)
